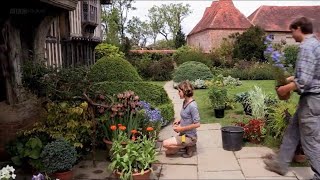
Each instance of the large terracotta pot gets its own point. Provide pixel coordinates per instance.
(137, 176)
(285, 97)
(68, 175)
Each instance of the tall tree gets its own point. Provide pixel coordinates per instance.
(173, 15)
(115, 16)
(180, 39)
(157, 23)
(139, 31)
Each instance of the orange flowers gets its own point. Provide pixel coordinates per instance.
(134, 131)
(113, 127)
(122, 128)
(149, 129)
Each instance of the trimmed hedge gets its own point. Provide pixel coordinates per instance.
(167, 111)
(192, 71)
(151, 93)
(113, 69)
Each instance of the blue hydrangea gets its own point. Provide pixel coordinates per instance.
(275, 55)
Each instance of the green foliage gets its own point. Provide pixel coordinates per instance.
(291, 54)
(256, 100)
(279, 118)
(192, 71)
(70, 121)
(222, 56)
(58, 156)
(105, 49)
(136, 156)
(55, 84)
(161, 70)
(167, 112)
(256, 71)
(154, 94)
(186, 54)
(218, 97)
(180, 39)
(250, 44)
(163, 44)
(113, 69)
(26, 150)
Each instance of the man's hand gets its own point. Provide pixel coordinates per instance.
(178, 128)
(290, 79)
(286, 89)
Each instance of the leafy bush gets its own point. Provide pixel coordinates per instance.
(167, 112)
(58, 156)
(105, 49)
(192, 71)
(250, 44)
(142, 65)
(186, 54)
(291, 54)
(258, 71)
(55, 84)
(161, 70)
(154, 94)
(113, 69)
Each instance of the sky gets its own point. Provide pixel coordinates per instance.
(198, 7)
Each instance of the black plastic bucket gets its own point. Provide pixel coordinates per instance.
(219, 113)
(232, 138)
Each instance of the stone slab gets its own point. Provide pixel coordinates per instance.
(85, 170)
(216, 159)
(253, 152)
(176, 159)
(256, 168)
(302, 172)
(221, 175)
(167, 132)
(178, 172)
(209, 139)
(213, 126)
(274, 177)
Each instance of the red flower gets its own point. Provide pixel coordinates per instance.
(122, 128)
(149, 129)
(134, 131)
(113, 127)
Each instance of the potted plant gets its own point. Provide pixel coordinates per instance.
(218, 99)
(58, 157)
(134, 160)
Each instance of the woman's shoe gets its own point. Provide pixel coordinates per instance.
(190, 151)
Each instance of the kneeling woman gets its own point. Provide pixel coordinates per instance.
(186, 126)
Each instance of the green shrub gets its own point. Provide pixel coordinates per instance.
(167, 111)
(258, 71)
(186, 54)
(105, 49)
(151, 93)
(58, 156)
(142, 65)
(291, 54)
(161, 70)
(55, 84)
(113, 69)
(192, 71)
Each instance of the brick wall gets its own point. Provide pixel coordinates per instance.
(209, 39)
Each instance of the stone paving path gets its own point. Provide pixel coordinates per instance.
(210, 161)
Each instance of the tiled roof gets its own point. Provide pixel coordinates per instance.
(221, 14)
(278, 18)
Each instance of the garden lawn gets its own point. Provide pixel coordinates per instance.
(236, 114)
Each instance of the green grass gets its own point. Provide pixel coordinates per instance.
(207, 113)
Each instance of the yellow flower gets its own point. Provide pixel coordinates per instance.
(84, 105)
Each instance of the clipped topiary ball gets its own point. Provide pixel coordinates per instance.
(113, 69)
(58, 156)
(192, 71)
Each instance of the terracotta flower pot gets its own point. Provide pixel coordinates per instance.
(137, 176)
(300, 158)
(285, 97)
(68, 175)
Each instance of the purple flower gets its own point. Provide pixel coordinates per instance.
(38, 177)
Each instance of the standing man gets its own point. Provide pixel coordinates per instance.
(305, 124)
